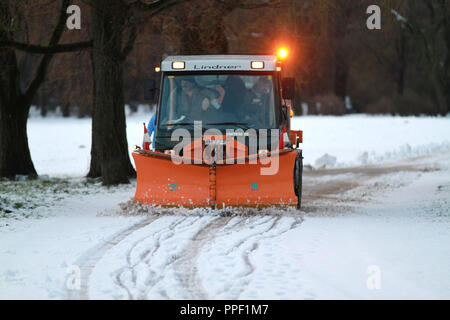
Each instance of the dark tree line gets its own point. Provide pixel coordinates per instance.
(15, 102)
(114, 29)
(401, 69)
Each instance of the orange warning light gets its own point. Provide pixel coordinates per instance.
(282, 53)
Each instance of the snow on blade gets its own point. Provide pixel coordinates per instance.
(132, 208)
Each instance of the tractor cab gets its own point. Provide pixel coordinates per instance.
(221, 92)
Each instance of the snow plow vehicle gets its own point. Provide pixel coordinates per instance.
(222, 135)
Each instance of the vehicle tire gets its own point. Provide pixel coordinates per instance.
(298, 175)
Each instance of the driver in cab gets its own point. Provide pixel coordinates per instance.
(195, 101)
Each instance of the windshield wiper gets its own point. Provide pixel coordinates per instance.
(178, 124)
(228, 123)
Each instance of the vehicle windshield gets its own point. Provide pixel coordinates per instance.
(219, 101)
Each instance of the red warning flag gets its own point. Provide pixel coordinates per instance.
(284, 139)
(147, 140)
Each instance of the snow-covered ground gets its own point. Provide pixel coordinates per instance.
(61, 146)
(365, 232)
(363, 139)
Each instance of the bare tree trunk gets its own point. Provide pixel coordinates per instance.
(445, 8)
(341, 70)
(15, 157)
(191, 41)
(220, 43)
(400, 46)
(338, 44)
(194, 41)
(109, 153)
(439, 95)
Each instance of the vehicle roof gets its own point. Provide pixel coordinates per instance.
(219, 62)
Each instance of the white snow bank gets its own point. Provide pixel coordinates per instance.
(364, 139)
(326, 161)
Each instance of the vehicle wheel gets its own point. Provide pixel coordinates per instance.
(298, 173)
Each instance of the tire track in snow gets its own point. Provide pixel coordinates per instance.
(162, 236)
(88, 261)
(186, 266)
(272, 222)
(246, 256)
(253, 241)
(144, 255)
(131, 266)
(184, 262)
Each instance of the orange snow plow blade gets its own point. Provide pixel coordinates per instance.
(162, 182)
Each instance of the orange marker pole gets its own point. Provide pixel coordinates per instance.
(212, 185)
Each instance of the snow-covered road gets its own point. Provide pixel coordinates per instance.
(393, 223)
(330, 251)
(379, 231)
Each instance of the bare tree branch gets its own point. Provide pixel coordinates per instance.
(42, 68)
(60, 48)
(129, 42)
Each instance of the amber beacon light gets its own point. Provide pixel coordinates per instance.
(282, 53)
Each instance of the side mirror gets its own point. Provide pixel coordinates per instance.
(288, 87)
(149, 89)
